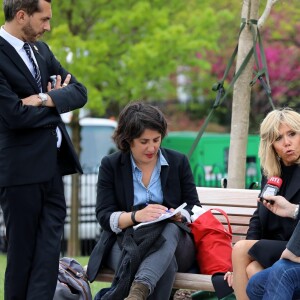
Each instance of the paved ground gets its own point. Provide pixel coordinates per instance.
(183, 295)
(199, 295)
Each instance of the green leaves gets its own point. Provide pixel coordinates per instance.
(126, 50)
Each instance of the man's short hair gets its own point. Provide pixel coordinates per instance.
(11, 7)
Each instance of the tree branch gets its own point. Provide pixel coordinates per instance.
(266, 13)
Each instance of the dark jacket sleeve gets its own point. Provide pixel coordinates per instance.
(69, 98)
(14, 86)
(294, 242)
(254, 231)
(109, 190)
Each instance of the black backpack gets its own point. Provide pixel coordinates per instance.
(72, 283)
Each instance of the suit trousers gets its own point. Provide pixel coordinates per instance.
(34, 217)
(157, 270)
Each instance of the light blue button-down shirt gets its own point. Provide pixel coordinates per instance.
(142, 194)
(153, 192)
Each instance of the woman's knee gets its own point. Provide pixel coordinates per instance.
(253, 268)
(241, 248)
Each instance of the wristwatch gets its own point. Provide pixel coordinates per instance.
(44, 98)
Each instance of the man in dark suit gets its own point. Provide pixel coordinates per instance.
(35, 149)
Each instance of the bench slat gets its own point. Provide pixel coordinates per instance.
(242, 196)
(193, 282)
(235, 220)
(235, 211)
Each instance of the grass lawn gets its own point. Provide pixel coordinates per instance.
(95, 286)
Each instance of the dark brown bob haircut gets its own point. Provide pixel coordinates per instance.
(134, 119)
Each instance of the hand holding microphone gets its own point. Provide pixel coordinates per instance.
(271, 189)
(281, 207)
(277, 204)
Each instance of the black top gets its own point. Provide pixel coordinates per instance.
(266, 225)
(287, 174)
(280, 228)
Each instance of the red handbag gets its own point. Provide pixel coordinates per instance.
(213, 243)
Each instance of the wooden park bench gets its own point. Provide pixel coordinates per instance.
(239, 204)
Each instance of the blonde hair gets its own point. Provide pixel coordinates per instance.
(269, 132)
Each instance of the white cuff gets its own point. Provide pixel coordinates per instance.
(114, 221)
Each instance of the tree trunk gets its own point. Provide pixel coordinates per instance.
(74, 242)
(241, 102)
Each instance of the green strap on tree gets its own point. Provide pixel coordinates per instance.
(219, 86)
(261, 71)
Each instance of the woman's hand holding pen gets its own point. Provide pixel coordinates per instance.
(150, 212)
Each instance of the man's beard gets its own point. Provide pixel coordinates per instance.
(30, 34)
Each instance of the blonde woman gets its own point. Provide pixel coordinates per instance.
(268, 233)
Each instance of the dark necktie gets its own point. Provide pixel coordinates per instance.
(37, 74)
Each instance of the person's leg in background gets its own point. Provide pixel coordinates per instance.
(21, 207)
(44, 272)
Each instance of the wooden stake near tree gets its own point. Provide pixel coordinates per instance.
(242, 95)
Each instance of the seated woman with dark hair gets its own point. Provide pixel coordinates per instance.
(137, 184)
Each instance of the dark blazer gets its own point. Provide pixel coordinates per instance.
(294, 243)
(115, 193)
(259, 227)
(28, 152)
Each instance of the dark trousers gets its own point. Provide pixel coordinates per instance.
(34, 217)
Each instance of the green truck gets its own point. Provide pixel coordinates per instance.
(209, 161)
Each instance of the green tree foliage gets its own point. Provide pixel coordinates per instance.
(134, 49)
(128, 50)
(280, 35)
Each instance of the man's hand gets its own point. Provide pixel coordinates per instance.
(33, 100)
(58, 84)
(280, 207)
(287, 254)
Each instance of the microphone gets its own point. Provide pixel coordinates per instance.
(271, 188)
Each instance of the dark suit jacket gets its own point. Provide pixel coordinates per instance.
(294, 243)
(260, 222)
(28, 152)
(115, 193)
